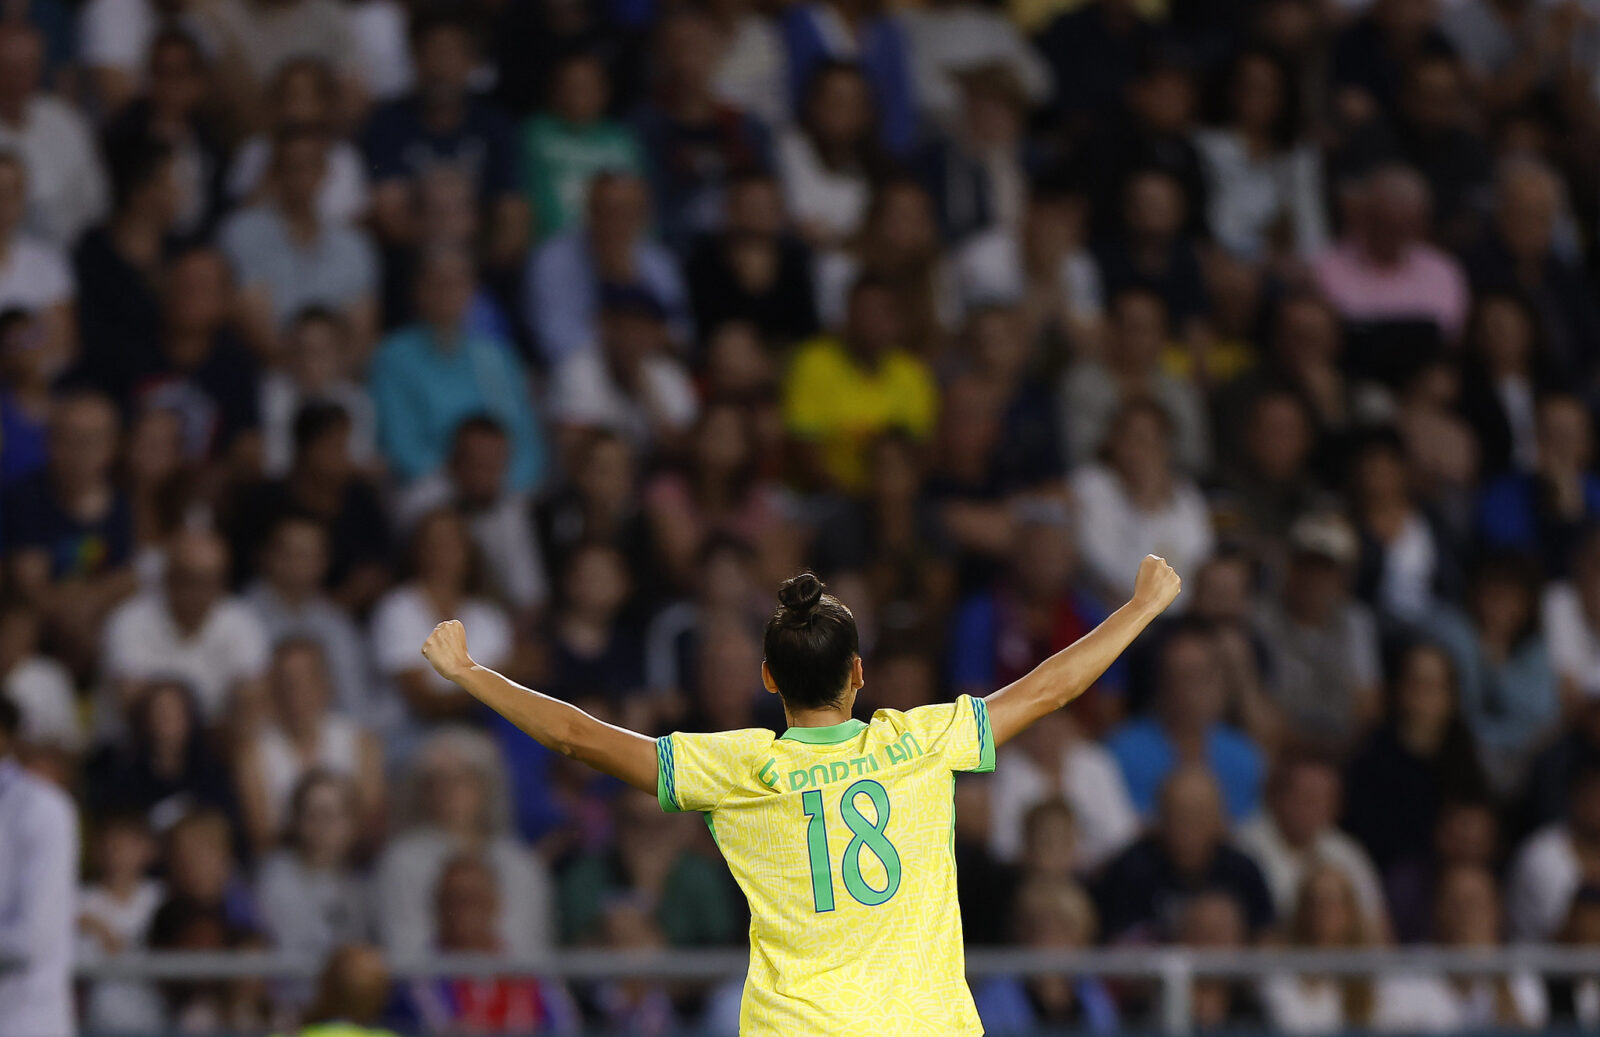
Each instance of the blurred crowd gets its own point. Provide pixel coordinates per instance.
(588, 321)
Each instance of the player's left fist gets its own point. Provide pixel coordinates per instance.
(1156, 585)
(446, 649)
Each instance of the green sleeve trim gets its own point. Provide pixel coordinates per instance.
(666, 776)
(980, 713)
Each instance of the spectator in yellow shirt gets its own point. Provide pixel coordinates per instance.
(841, 392)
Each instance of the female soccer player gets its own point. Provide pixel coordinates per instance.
(839, 831)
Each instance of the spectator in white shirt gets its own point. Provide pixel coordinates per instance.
(1548, 869)
(114, 914)
(38, 896)
(317, 356)
(113, 41)
(303, 735)
(34, 273)
(1054, 758)
(1136, 503)
(1571, 617)
(191, 628)
(1467, 916)
(628, 382)
(1297, 832)
(444, 582)
(305, 92)
(828, 163)
(457, 802)
(948, 37)
(500, 519)
(67, 187)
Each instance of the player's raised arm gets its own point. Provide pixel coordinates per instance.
(1069, 673)
(550, 722)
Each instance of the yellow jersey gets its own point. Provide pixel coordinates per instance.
(842, 839)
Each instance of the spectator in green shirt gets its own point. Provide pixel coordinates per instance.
(566, 147)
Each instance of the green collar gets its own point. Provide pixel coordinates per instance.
(825, 735)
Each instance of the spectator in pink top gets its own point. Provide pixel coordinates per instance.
(1382, 269)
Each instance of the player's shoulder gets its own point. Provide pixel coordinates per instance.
(727, 743)
(932, 714)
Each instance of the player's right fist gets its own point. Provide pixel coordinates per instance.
(446, 649)
(1156, 585)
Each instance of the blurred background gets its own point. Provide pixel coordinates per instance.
(588, 321)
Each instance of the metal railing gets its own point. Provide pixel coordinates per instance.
(1173, 969)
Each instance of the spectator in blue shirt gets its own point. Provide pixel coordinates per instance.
(429, 377)
(1545, 512)
(444, 124)
(1187, 725)
(565, 274)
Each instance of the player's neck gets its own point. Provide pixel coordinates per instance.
(827, 716)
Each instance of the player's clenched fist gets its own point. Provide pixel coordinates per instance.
(446, 649)
(1156, 585)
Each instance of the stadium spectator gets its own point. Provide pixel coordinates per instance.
(172, 109)
(829, 161)
(1186, 853)
(1508, 691)
(114, 915)
(693, 143)
(752, 269)
(1543, 511)
(290, 603)
(322, 485)
(1298, 832)
(570, 143)
(444, 123)
(1260, 174)
(256, 38)
(34, 275)
(1508, 369)
(474, 481)
(1547, 870)
(189, 627)
(840, 392)
(1421, 758)
(1215, 920)
(446, 574)
(1186, 723)
(1466, 836)
(1049, 915)
(952, 37)
(1135, 495)
(312, 898)
(66, 182)
(288, 256)
(627, 381)
(455, 804)
(317, 355)
(427, 377)
(301, 735)
(162, 763)
(833, 30)
(568, 275)
(1092, 391)
(653, 862)
(1322, 646)
(1407, 563)
(304, 95)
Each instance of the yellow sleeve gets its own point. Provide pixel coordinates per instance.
(697, 771)
(958, 731)
(807, 394)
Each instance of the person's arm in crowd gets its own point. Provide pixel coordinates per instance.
(77, 602)
(552, 723)
(1070, 672)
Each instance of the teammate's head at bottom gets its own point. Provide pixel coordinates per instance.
(813, 653)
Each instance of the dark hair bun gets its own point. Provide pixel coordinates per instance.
(800, 595)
